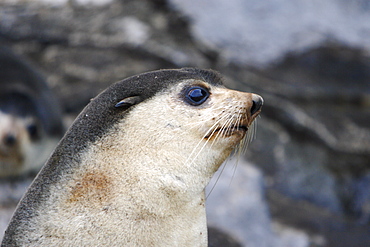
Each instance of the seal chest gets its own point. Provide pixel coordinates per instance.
(132, 169)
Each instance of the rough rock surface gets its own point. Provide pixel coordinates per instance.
(307, 182)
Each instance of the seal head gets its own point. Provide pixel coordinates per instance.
(30, 118)
(132, 169)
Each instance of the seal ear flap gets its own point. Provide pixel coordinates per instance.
(129, 101)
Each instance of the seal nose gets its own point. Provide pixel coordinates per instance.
(257, 103)
(10, 140)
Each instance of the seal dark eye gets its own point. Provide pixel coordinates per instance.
(196, 95)
(33, 131)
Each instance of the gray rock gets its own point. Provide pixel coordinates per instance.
(258, 33)
(236, 204)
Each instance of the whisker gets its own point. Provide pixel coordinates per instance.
(234, 168)
(230, 118)
(222, 128)
(255, 128)
(218, 177)
(211, 129)
(232, 121)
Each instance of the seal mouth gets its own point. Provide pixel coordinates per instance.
(238, 128)
(227, 131)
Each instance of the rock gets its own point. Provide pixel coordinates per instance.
(236, 204)
(244, 212)
(218, 238)
(261, 33)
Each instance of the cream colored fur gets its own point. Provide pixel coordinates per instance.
(142, 184)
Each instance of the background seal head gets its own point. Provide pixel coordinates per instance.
(30, 117)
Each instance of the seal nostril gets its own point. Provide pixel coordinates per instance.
(257, 103)
(10, 140)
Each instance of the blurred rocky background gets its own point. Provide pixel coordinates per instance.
(305, 179)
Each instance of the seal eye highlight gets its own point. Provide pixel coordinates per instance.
(196, 95)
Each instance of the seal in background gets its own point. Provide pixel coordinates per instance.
(30, 118)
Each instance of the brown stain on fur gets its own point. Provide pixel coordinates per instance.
(93, 187)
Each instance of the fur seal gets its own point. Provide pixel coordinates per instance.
(132, 168)
(30, 118)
